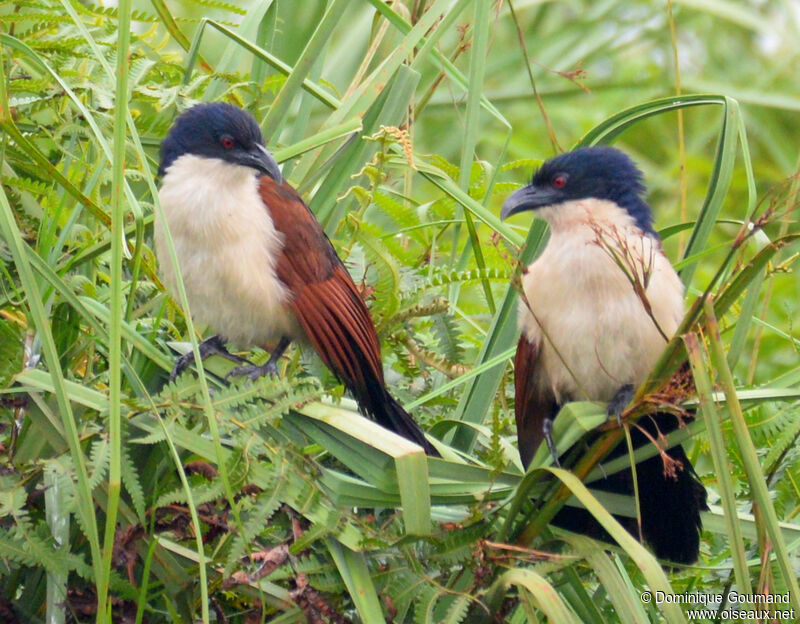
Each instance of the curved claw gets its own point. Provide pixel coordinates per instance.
(210, 346)
(270, 368)
(181, 364)
(253, 371)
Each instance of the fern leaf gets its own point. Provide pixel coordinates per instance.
(446, 331)
(457, 610)
(260, 511)
(388, 282)
(530, 164)
(201, 492)
(404, 216)
(130, 479)
(224, 6)
(99, 459)
(426, 604)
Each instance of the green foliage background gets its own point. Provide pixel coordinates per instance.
(404, 124)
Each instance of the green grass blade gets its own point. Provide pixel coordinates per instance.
(477, 67)
(230, 60)
(353, 569)
(85, 507)
(450, 188)
(605, 132)
(650, 568)
(478, 394)
(429, 52)
(719, 456)
(388, 109)
(752, 465)
(546, 598)
(346, 129)
(280, 105)
(116, 302)
(75, 392)
(618, 585)
(408, 474)
(318, 92)
(474, 373)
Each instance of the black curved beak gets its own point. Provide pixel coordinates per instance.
(529, 198)
(260, 158)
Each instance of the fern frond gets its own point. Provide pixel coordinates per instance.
(50, 19)
(426, 604)
(130, 479)
(458, 547)
(24, 545)
(457, 609)
(449, 337)
(34, 187)
(527, 163)
(258, 514)
(386, 266)
(202, 492)
(99, 457)
(404, 216)
(224, 6)
(446, 277)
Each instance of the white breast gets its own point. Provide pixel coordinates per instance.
(594, 333)
(227, 247)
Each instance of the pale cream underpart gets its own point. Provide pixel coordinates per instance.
(593, 331)
(226, 246)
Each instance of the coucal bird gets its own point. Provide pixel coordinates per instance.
(257, 267)
(599, 305)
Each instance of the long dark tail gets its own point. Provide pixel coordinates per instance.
(336, 322)
(398, 419)
(670, 504)
(386, 411)
(373, 398)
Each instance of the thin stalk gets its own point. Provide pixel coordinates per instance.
(784, 228)
(681, 140)
(477, 68)
(85, 503)
(551, 133)
(294, 82)
(716, 440)
(752, 465)
(116, 302)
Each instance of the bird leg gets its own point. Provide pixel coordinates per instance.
(253, 371)
(210, 346)
(547, 430)
(619, 402)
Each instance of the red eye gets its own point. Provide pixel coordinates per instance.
(559, 180)
(227, 142)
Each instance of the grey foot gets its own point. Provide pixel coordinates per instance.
(547, 429)
(253, 371)
(619, 402)
(210, 346)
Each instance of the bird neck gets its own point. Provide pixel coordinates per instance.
(585, 216)
(201, 191)
(639, 211)
(210, 173)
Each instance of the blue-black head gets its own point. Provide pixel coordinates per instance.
(218, 130)
(598, 172)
